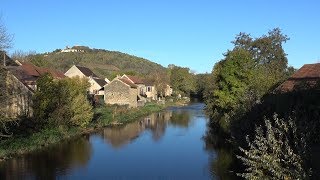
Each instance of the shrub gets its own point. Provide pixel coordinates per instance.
(277, 152)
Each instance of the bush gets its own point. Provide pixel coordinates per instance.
(62, 102)
(277, 152)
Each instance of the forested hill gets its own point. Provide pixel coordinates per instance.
(103, 62)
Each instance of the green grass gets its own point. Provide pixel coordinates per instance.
(19, 144)
(109, 115)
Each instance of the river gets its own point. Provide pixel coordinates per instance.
(164, 145)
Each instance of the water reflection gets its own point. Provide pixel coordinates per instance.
(222, 162)
(164, 145)
(50, 163)
(155, 123)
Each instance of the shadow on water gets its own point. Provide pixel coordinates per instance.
(49, 163)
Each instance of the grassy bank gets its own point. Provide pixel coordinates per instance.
(104, 116)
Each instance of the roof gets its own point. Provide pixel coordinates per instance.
(126, 81)
(32, 70)
(306, 77)
(101, 82)
(9, 61)
(134, 79)
(86, 71)
(149, 82)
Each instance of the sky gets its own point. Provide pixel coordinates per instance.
(188, 33)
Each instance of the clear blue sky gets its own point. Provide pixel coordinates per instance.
(191, 33)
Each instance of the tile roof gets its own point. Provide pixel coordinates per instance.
(134, 79)
(306, 77)
(101, 82)
(86, 71)
(126, 81)
(9, 61)
(35, 71)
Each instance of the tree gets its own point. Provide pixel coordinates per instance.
(182, 81)
(5, 37)
(250, 70)
(62, 102)
(161, 81)
(231, 79)
(278, 152)
(5, 43)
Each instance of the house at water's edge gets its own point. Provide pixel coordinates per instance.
(21, 82)
(122, 92)
(96, 84)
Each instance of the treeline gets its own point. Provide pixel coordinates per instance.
(270, 132)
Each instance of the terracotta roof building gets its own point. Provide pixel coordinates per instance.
(308, 76)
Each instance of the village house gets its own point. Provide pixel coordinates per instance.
(150, 90)
(121, 91)
(307, 77)
(96, 84)
(21, 84)
(147, 88)
(137, 81)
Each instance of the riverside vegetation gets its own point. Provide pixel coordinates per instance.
(271, 133)
(62, 111)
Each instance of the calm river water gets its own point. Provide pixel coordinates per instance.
(165, 145)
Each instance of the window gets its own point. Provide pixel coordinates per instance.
(149, 89)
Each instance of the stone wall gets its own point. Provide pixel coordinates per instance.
(117, 92)
(19, 102)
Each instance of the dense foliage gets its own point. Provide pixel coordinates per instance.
(241, 103)
(63, 102)
(278, 152)
(246, 73)
(182, 81)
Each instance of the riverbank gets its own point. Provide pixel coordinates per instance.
(104, 116)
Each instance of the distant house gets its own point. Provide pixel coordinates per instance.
(121, 91)
(96, 83)
(21, 84)
(307, 77)
(150, 90)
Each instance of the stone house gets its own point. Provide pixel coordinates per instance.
(96, 84)
(21, 85)
(122, 92)
(307, 77)
(138, 82)
(150, 90)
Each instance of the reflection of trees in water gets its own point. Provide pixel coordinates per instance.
(221, 159)
(122, 135)
(180, 118)
(156, 123)
(49, 163)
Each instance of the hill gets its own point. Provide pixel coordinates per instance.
(102, 62)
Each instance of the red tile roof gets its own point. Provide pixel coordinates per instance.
(35, 71)
(135, 79)
(306, 77)
(126, 81)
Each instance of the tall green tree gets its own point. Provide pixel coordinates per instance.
(231, 81)
(250, 70)
(182, 81)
